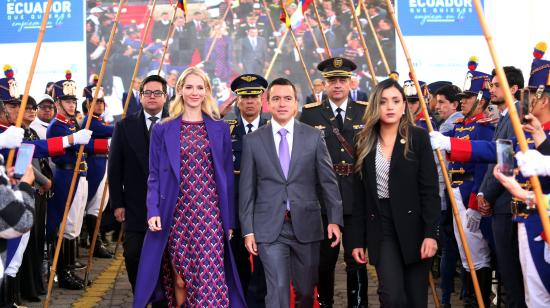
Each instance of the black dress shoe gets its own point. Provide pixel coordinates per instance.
(67, 281)
(101, 252)
(76, 266)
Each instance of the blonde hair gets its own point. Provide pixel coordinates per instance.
(208, 106)
(366, 139)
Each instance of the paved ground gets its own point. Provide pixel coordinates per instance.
(105, 293)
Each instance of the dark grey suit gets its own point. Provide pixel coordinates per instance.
(288, 248)
(253, 59)
(503, 227)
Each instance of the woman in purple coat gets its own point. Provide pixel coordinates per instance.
(186, 258)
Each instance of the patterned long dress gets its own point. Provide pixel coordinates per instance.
(195, 247)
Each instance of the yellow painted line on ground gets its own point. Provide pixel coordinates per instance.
(100, 286)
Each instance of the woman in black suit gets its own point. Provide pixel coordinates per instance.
(397, 205)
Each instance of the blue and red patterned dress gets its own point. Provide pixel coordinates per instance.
(195, 247)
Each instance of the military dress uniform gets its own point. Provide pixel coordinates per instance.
(96, 175)
(466, 178)
(340, 144)
(411, 96)
(252, 276)
(64, 167)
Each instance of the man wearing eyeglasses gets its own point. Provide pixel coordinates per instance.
(128, 168)
(44, 115)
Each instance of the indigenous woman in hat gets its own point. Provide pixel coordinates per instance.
(190, 205)
(397, 199)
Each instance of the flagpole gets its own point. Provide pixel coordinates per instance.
(516, 123)
(376, 39)
(275, 55)
(79, 159)
(23, 105)
(442, 162)
(314, 38)
(327, 48)
(365, 49)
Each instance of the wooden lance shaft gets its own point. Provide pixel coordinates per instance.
(211, 48)
(138, 60)
(434, 290)
(304, 66)
(267, 12)
(442, 164)
(375, 36)
(314, 38)
(275, 55)
(327, 48)
(365, 49)
(535, 183)
(168, 36)
(78, 161)
(23, 105)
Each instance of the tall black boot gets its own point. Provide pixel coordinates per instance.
(64, 276)
(469, 297)
(357, 283)
(100, 251)
(73, 263)
(325, 288)
(484, 276)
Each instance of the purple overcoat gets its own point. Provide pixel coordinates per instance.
(162, 194)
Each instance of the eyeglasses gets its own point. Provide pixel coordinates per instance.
(148, 93)
(45, 107)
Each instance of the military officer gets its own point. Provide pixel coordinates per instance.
(413, 103)
(97, 166)
(339, 118)
(535, 264)
(466, 177)
(249, 89)
(64, 93)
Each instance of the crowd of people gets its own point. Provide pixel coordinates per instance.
(244, 42)
(227, 211)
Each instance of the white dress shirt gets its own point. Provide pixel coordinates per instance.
(276, 127)
(147, 116)
(255, 124)
(343, 106)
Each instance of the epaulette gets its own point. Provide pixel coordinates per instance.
(362, 103)
(311, 105)
(232, 124)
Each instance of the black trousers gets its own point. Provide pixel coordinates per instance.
(400, 284)
(505, 233)
(133, 241)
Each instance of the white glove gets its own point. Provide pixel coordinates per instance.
(440, 141)
(11, 137)
(533, 163)
(320, 50)
(473, 218)
(82, 136)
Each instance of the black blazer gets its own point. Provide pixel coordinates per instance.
(414, 199)
(361, 96)
(133, 105)
(128, 169)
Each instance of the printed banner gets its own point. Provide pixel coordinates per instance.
(20, 21)
(438, 17)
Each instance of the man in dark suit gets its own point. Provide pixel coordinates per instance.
(252, 57)
(197, 33)
(318, 88)
(128, 169)
(134, 105)
(249, 89)
(181, 48)
(161, 27)
(339, 119)
(493, 197)
(284, 165)
(355, 93)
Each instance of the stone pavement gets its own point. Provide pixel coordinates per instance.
(105, 293)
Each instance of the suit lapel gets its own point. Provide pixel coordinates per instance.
(139, 143)
(295, 156)
(214, 135)
(173, 143)
(269, 144)
(370, 167)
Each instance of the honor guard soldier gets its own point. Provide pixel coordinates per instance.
(97, 166)
(249, 89)
(64, 93)
(339, 119)
(9, 108)
(535, 264)
(466, 177)
(413, 102)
